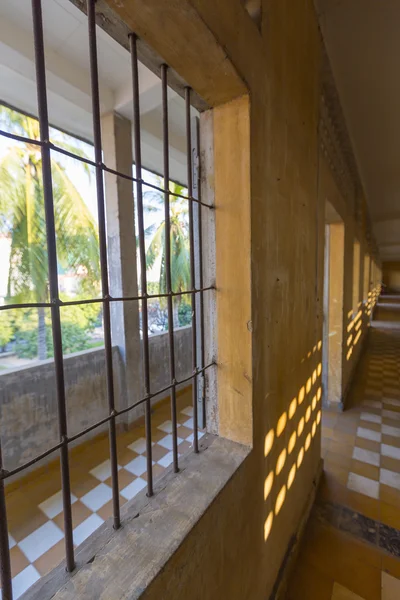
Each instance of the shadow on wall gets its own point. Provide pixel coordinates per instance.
(302, 417)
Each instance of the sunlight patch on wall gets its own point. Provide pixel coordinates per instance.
(292, 442)
(281, 461)
(292, 408)
(268, 525)
(269, 440)
(280, 500)
(291, 477)
(268, 485)
(281, 424)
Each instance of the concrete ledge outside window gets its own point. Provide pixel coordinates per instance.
(122, 564)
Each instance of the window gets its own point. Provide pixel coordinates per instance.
(63, 228)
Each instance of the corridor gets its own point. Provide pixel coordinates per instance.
(351, 546)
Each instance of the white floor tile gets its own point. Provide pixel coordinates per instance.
(133, 488)
(24, 580)
(137, 466)
(139, 446)
(390, 587)
(391, 414)
(103, 471)
(97, 497)
(372, 403)
(391, 451)
(188, 423)
(166, 426)
(341, 593)
(41, 540)
(11, 541)
(369, 434)
(166, 442)
(363, 485)
(53, 506)
(86, 528)
(371, 417)
(390, 478)
(389, 430)
(391, 401)
(188, 411)
(367, 456)
(166, 460)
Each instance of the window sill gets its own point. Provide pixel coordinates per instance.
(123, 563)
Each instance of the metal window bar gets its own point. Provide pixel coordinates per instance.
(167, 241)
(197, 288)
(142, 254)
(192, 265)
(94, 79)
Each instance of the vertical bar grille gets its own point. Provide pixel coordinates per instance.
(199, 367)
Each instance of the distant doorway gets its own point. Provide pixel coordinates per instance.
(332, 347)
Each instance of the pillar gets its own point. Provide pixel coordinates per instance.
(121, 238)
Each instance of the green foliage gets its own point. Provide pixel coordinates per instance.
(22, 217)
(184, 314)
(6, 330)
(179, 240)
(77, 322)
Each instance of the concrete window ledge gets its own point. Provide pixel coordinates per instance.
(122, 564)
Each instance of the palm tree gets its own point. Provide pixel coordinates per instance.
(22, 216)
(179, 239)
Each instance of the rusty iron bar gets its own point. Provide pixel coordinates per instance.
(192, 264)
(94, 80)
(53, 275)
(142, 254)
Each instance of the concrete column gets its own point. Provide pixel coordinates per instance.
(117, 149)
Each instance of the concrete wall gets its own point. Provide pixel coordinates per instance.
(28, 404)
(235, 551)
(391, 276)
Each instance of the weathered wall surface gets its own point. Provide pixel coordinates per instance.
(391, 276)
(28, 403)
(236, 549)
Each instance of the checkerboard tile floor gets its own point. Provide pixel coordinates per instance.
(377, 441)
(34, 507)
(361, 446)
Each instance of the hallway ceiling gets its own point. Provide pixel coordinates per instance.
(363, 44)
